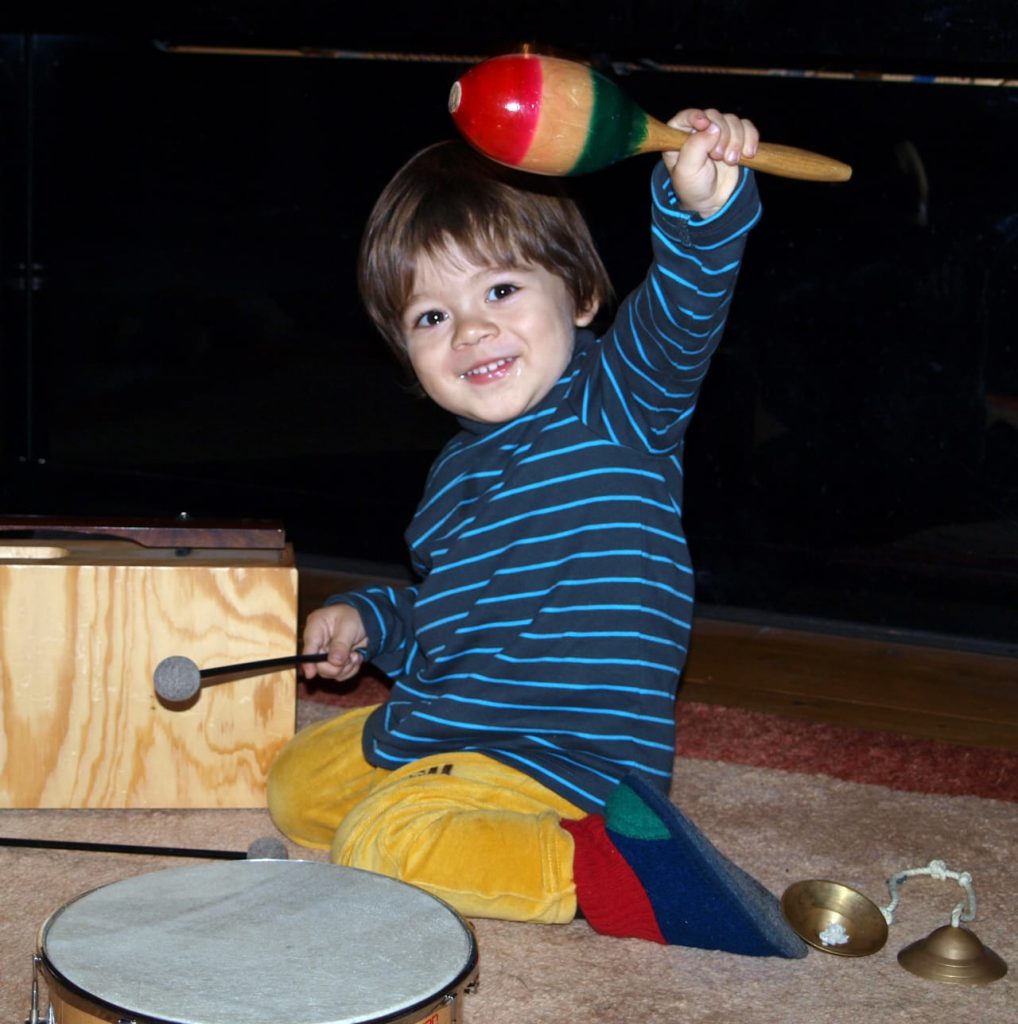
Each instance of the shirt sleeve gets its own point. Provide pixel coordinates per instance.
(387, 616)
(644, 374)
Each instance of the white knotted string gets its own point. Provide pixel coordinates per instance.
(834, 935)
(939, 870)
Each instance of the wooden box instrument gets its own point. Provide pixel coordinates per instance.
(85, 616)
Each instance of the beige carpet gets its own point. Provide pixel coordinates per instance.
(780, 826)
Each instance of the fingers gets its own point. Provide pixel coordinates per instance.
(736, 137)
(722, 137)
(335, 630)
(344, 661)
(705, 171)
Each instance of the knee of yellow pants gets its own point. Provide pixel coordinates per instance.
(488, 850)
(318, 776)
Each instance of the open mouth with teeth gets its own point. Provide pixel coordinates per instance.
(495, 370)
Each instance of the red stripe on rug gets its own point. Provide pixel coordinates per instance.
(713, 733)
(908, 763)
(365, 689)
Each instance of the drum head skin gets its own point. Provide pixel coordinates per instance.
(259, 942)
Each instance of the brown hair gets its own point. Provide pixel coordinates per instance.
(449, 194)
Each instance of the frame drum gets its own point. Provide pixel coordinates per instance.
(257, 942)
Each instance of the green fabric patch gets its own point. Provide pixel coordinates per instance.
(626, 813)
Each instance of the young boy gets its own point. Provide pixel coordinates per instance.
(521, 767)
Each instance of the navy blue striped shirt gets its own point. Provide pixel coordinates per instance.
(551, 622)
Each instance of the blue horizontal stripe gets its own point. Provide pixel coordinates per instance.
(559, 782)
(559, 452)
(491, 555)
(582, 556)
(427, 627)
(562, 660)
(569, 609)
(600, 472)
(502, 728)
(584, 583)
(551, 510)
(541, 684)
(576, 634)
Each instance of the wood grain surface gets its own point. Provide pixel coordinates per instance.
(80, 636)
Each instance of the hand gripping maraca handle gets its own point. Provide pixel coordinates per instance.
(771, 157)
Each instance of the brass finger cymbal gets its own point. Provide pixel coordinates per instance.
(954, 956)
(834, 918)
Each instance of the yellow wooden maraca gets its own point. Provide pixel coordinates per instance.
(553, 116)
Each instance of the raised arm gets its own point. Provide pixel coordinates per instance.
(643, 377)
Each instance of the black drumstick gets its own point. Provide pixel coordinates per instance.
(178, 679)
(264, 848)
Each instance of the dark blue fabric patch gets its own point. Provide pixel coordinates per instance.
(700, 898)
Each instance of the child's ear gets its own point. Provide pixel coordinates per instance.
(587, 313)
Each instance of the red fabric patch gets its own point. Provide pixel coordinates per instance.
(610, 895)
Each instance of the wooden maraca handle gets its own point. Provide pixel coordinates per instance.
(771, 157)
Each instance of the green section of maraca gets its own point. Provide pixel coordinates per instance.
(616, 130)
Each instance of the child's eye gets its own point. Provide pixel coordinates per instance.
(431, 318)
(501, 291)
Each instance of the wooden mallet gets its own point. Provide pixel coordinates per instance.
(177, 679)
(552, 116)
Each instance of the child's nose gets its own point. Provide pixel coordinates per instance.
(473, 329)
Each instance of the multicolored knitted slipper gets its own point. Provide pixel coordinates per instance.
(699, 897)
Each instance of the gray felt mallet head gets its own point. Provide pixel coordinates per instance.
(267, 848)
(176, 679)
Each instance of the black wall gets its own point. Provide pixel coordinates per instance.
(179, 328)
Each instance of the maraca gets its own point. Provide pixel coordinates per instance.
(552, 116)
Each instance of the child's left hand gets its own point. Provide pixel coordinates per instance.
(705, 171)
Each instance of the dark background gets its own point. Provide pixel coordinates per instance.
(179, 329)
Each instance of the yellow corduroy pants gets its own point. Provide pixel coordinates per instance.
(474, 832)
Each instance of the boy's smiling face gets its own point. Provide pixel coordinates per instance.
(488, 343)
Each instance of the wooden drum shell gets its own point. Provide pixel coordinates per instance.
(83, 623)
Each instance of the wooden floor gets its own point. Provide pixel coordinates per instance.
(885, 683)
(902, 687)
